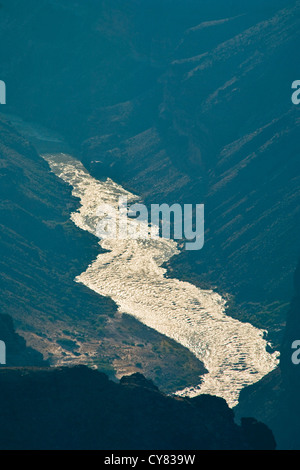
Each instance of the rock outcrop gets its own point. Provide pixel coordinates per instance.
(79, 408)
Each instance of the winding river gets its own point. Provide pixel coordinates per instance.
(131, 273)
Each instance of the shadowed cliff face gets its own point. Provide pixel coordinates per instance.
(81, 409)
(275, 399)
(230, 102)
(290, 370)
(180, 103)
(41, 252)
(18, 353)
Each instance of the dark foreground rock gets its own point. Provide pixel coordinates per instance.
(79, 408)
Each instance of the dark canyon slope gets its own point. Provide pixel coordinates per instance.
(41, 251)
(18, 353)
(275, 399)
(81, 409)
(180, 102)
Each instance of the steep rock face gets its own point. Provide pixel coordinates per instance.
(275, 399)
(17, 352)
(231, 105)
(292, 333)
(81, 409)
(41, 251)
